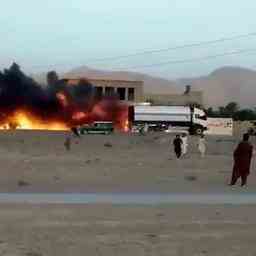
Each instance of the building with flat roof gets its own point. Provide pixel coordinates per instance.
(133, 92)
(126, 90)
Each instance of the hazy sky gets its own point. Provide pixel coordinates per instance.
(62, 34)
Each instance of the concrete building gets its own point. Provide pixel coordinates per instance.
(188, 97)
(131, 91)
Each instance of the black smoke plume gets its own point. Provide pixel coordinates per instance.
(20, 92)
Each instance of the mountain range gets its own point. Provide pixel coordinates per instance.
(220, 87)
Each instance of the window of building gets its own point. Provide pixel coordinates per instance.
(98, 92)
(121, 93)
(109, 91)
(131, 95)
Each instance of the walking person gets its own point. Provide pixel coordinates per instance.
(242, 161)
(67, 143)
(75, 131)
(184, 139)
(145, 128)
(202, 145)
(177, 143)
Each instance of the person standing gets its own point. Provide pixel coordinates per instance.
(184, 139)
(75, 131)
(177, 143)
(67, 143)
(202, 145)
(242, 161)
(145, 128)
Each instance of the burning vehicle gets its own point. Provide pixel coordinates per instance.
(25, 104)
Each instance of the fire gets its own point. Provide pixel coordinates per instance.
(99, 111)
(62, 99)
(77, 116)
(126, 126)
(25, 104)
(27, 121)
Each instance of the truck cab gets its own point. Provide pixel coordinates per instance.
(199, 121)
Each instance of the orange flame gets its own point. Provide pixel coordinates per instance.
(27, 121)
(99, 111)
(24, 119)
(77, 116)
(126, 126)
(62, 99)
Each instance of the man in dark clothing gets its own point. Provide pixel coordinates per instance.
(75, 131)
(242, 161)
(177, 143)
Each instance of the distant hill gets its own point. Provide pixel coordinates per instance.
(152, 84)
(220, 87)
(227, 84)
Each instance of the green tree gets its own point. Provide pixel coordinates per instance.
(245, 115)
(222, 112)
(231, 108)
(210, 112)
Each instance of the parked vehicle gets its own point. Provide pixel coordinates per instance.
(97, 128)
(161, 117)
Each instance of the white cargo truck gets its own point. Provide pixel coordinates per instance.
(162, 117)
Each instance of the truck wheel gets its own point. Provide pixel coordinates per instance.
(199, 131)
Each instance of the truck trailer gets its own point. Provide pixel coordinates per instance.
(191, 118)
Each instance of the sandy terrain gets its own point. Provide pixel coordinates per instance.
(133, 164)
(38, 162)
(105, 230)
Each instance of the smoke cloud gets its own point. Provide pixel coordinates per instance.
(20, 92)
(59, 101)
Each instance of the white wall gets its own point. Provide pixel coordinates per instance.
(220, 126)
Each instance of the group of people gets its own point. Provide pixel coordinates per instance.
(242, 155)
(180, 144)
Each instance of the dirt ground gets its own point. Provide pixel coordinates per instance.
(38, 162)
(105, 230)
